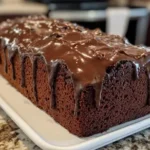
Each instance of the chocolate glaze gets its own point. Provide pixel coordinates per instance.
(77, 97)
(22, 60)
(136, 70)
(78, 88)
(55, 65)
(86, 53)
(34, 69)
(5, 63)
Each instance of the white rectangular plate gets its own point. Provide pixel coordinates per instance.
(48, 134)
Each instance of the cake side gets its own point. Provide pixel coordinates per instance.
(123, 99)
(83, 103)
(118, 103)
(64, 112)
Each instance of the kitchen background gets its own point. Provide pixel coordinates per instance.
(129, 17)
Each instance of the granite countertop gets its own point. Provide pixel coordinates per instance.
(12, 138)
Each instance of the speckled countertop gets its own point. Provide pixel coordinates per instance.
(12, 138)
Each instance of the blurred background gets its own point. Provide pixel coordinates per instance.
(129, 18)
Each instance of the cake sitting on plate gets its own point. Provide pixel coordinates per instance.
(86, 80)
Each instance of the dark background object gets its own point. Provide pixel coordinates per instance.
(130, 34)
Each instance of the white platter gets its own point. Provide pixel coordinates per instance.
(48, 134)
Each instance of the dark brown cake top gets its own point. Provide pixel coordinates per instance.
(87, 53)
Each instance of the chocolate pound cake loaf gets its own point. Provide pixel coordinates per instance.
(86, 80)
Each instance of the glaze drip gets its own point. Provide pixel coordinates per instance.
(34, 69)
(22, 72)
(136, 70)
(5, 63)
(87, 53)
(77, 93)
(55, 65)
(13, 69)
